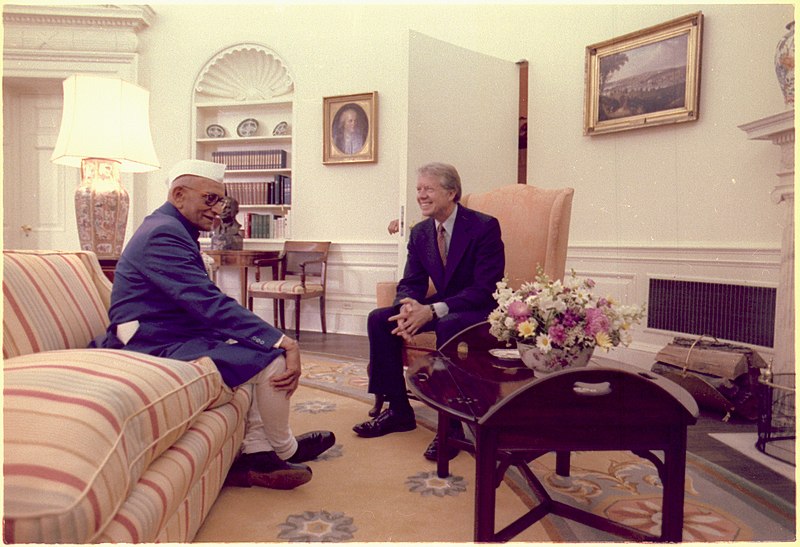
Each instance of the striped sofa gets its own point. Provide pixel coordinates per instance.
(102, 445)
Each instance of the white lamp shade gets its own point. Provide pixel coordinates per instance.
(105, 118)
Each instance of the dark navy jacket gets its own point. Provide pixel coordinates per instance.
(475, 263)
(161, 281)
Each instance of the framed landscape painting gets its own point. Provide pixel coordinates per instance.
(349, 128)
(646, 78)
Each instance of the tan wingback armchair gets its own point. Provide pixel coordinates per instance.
(535, 226)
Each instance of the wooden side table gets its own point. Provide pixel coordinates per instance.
(108, 265)
(244, 260)
(516, 417)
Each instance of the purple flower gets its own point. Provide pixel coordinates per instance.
(557, 334)
(570, 319)
(596, 321)
(519, 310)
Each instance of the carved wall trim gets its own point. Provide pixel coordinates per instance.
(42, 30)
(244, 72)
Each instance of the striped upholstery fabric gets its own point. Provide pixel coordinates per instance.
(50, 301)
(81, 427)
(288, 286)
(177, 491)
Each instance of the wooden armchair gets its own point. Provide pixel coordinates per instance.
(300, 272)
(535, 228)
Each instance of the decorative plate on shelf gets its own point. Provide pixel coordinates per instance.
(507, 354)
(281, 129)
(215, 131)
(247, 128)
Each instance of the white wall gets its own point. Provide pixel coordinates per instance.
(699, 183)
(645, 200)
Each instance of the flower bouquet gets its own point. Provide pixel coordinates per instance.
(558, 324)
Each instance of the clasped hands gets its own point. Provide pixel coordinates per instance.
(411, 318)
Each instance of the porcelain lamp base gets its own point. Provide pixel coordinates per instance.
(101, 208)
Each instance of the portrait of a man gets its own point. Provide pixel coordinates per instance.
(350, 128)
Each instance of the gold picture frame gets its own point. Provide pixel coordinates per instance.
(646, 78)
(350, 128)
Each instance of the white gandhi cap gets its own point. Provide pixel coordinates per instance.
(206, 169)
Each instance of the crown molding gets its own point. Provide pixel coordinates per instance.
(133, 17)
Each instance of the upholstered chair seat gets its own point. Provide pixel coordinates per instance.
(291, 286)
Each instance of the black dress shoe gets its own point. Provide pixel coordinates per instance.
(432, 452)
(267, 470)
(312, 444)
(387, 422)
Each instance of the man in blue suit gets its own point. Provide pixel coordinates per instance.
(164, 304)
(461, 252)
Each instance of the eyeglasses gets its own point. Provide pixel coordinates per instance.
(209, 199)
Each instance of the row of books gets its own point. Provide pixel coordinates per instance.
(274, 192)
(261, 226)
(251, 159)
(265, 226)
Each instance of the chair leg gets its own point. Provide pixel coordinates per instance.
(275, 313)
(282, 313)
(297, 318)
(322, 313)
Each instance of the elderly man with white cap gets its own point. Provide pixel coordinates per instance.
(163, 303)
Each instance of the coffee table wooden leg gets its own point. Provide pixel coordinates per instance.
(485, 465)
(672, 503)
(442, 461)
(562, 463)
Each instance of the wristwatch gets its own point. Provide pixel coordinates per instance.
(433, 311)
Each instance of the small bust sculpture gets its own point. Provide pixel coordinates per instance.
(226, 236)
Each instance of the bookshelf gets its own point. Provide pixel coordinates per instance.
(242, 115)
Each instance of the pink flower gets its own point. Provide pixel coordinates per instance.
(557, 334)
(596, 321)
(519, 310)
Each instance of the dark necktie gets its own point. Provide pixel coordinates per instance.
(440, 240)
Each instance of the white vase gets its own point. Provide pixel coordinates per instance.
(555, 359)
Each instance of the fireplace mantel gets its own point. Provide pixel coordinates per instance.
(779, 129)
(56, 41)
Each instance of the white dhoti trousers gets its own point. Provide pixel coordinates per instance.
(267, 425)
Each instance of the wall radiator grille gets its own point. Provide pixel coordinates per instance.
(738, 313)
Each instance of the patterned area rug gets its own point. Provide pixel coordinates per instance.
(383, 490)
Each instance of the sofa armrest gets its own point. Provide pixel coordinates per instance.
(81, 428)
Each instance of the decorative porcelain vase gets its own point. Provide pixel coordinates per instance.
(555, 360)
(784, 65)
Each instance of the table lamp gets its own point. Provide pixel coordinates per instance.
(105, 130)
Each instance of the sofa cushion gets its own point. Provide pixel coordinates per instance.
(80, 429)
(156, 510)
(50, 302)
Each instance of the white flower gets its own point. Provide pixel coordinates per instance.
(543, 343)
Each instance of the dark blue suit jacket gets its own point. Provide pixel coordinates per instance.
(475, 263)
(161, 281)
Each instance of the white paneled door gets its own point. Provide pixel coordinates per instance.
(38, 209)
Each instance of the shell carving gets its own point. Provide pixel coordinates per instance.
(246, 72)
